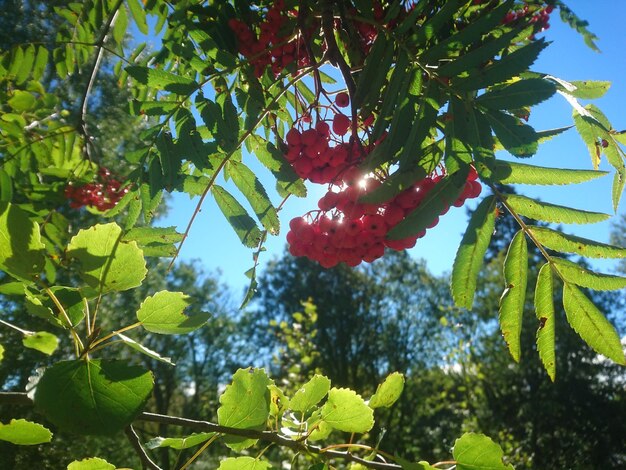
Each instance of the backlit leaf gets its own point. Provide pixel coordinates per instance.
(565, 243)
(589, 89)
(243, 463)
(92, 463)
(388, 392)
(521, 173)
(544, 309)
(162, 80)
(591, 324)
(514, 296)
(518, 138)
(519, 94)
(163, 313)
(547, 212)
(24, 433)
(310, 394)
(144, 350)
(477, 452)
(42, 341)
(180, 443)
(583, 277)
(237, 216)
(470, 255)
(100, 397)
(346, 411)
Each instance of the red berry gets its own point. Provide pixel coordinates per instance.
(342, 100)
(341, 124)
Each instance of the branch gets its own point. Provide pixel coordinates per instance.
(15, 398)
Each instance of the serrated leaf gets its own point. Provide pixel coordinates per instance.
(576, 274)
(388, 392)
(162, 80)
(370, 79)
(144, 350)
(163, 313)
(445, 192)
(92, 463)
(245, 404)
(589, 89)
(250, 186)
(519, 139)
(512, 301)
(477, 452)
(155, 241)
(24, 433)
(470, 255)
(41, 341)
(22, 101)
(99, 397)
(538, 210)
(592, 326)
(310, 394)
(544, 310)
(106, 262)
(244, 226)
(179, 443)
(566, 243)
(519, 94)
(243, 463)
(21, 249)
(521, 173)
(587, 129)
(346, 411)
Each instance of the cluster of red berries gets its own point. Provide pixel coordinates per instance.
(272, 47)
(102, 194)
(346, 230)
(541, 17)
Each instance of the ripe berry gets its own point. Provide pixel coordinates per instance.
(341, 124)
(342, 100)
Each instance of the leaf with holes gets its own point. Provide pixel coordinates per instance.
(544, 309)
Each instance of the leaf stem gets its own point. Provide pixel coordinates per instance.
(16, 328)
(79, 347)
(112, 334)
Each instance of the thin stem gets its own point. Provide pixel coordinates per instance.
(225, 160)
(113, 333)
(16, 328)
(199, 451)
(444, 462)
(133, 438)
(79, 347)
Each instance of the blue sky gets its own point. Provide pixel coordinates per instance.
(213, 243)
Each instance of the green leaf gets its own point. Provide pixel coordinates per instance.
(22, 101)
(161, 80)
(155, 241)
(538, 210)
(521, 173)
(255, 193)
(139, 15)
(441, 196)
(21, 249)
(591, 324)
(589, 89)
(44, 307)
(346, 411)
(99, 397)
(244, 226)
(470, 255)
(243, 463)
(514, 296)
(107, 263)
(24, 433)
(517, 95)
(372, 77)
(477, 452)
(144, 350)
(310, 394)
(519, 139)
(92, 463)
(179, 443)
(41, 62)
(544, 309)
(565, 243)
(6, 187)
(245, 404)
(583, 277)
(388, 392)
(163, 313)
(1, 352)
(406, 465)
(42, 341)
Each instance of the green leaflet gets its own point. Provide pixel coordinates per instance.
(470, 255)
(100, 397)
(544, 309)
(519, 139)
(161, 80)
(589, 89)
(429, 29)
(592, 326)
(42, 341)
(565, 243)
(139, 15)
(521, 173)
(388, 392)
(245, 405)
(250, 186)
(346, 411)
(575, 274)
(179, 443)
(514, 296)
(155, 241)
(310, 394)
(458, 152)
(547, 212)
(163, 313)
(244, 226)
(587, 129)
(517, 95)
(24, 433)
(477, 452)
(443, 194)
(373, 75)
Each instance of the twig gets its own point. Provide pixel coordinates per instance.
(15, 398)
(133, 438)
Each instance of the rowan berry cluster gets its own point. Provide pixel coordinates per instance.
(276, 46)
(102, 194)
(540, 17)
(346, 230)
